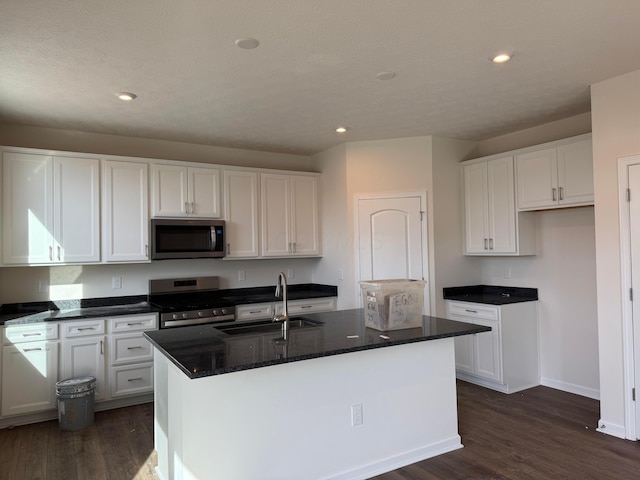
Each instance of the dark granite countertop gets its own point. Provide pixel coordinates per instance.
(202, 351)
(35, 312)
(491, 294)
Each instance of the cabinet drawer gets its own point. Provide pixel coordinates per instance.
(254, 312)
(136, 323)
(130, 349)
(132, 380)
(475, 310)
(30, 333)
(73, 328)
(297, 307)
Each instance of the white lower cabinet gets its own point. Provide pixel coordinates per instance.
(506, 358)
(131, 355)
(83, 352)
(29, 368)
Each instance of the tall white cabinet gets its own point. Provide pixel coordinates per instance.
(289, 215)
(492, 226)
(241, 214)
(51, 209)
(125, 207)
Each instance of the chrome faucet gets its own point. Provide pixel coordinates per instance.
(281, 289)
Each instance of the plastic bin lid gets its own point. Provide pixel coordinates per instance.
(392, 282)
(76, 385)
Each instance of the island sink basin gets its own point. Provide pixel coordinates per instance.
(268, 326)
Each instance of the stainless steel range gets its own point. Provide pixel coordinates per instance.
(189, 301)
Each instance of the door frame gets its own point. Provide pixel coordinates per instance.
(629, 350)
(423, 195)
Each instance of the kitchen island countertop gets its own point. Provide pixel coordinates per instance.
(203, 350)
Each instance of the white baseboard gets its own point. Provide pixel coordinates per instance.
(399, 461)
(571, 388)
(611, 429)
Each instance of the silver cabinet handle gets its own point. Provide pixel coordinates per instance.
(81, 329)
(486, 244)
(35, 334)
(131, 324)
(137, 347)
(305, 306)
(146, 251)
(39, 349)
(553, 194)
(295, 245)
(561, 191)
(186, 208)
(59, 254)
(470, 311)
(101, 347)
(135, 379)
(51, 253)
(491, 244)
(193, 208)
(228, 248)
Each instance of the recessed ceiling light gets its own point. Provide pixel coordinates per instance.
(341, 129)
(501, 57)
(126, 96)
(385, 75)
(247, 43)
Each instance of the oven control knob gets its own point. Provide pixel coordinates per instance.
(201, 314)
(184, 315)
(174, 316)
(224, 311)
(215, 313)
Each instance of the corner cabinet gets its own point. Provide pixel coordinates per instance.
(125, 223)
(492, 226)
(180, 191)
(51, 209)
(506, 358)
(556, 175)
(289, 215)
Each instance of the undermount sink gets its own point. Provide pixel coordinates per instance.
(268, 326)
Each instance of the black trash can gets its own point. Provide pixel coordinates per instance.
(75, 398)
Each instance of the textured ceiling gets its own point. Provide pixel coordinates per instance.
(61, 61)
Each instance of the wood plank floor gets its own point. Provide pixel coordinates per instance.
(537, 434)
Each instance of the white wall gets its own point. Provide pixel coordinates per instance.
(616, 133)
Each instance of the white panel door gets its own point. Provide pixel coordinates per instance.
(204, 192)
(304, 215)
(634, 227)
(501, 206)
(85, 357)
(575, 173)
(169, 191)
(392, 239)
(476, 213)
(537, 178)
(276, 227)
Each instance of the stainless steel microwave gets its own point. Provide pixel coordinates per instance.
(186, 238)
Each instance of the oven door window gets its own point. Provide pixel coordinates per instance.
(172, 239)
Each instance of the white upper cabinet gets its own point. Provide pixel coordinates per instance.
(556, 175)
(51, 209)
(289, 215)
(180, 191)
(491, 224)
(125, 207)
(241, 214)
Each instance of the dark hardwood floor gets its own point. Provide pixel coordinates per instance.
(540, 433)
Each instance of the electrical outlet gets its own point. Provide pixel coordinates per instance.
(507, 272)
(116, 282)
(291, 273)
(356, 415)
(242, 275)
(43, 286)
(340, 274)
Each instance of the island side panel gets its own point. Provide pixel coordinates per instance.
(293, 420)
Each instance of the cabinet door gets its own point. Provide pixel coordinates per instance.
(27, 218)
(170, 188)
(575, 173)
(29, 376)
(537, 178)
(501, 206)
(275, 217)
(84, 356)
(125, 212)
(487, 351)
(76, 210)
(304, 215)
(204, 192)
(476, 214)
(241, 214)
(463, 347)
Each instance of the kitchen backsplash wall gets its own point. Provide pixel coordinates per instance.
(24, 284)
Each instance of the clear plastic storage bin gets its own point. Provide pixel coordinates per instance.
(393, 304)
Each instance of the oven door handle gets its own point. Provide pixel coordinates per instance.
(196, 321)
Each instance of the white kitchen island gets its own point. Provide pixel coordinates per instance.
(293, 418)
